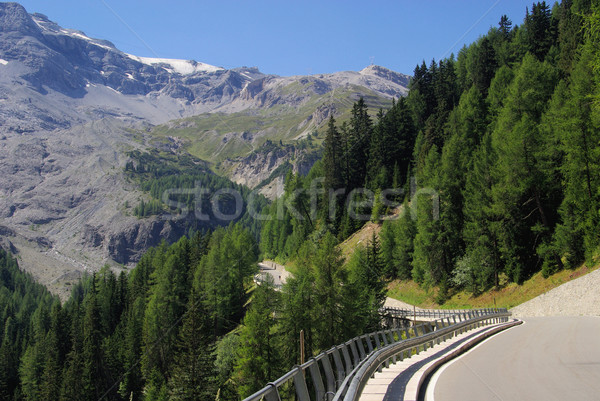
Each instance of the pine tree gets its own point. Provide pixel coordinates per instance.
(332, 157)
(192, 375)
(540, 30)
(259, 359)
(405, 232)
(374, 272)
(388, 245)
(72, 384)
(92, 373)
(31, 368)
(484, 65)
(223, 274)
(359, 141)
(9, 372)
(298, 307)
(54, 358)
(329, 278)
(427, 262)
(360, 303)
(505, 26)
(479, 230)
(131, 385)
(378, 154)
(165, 306)
(31, 371)
(378, 208)
(526, 171)
(570, 118)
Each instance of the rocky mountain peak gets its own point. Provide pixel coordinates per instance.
(387, 74)
(14, 18)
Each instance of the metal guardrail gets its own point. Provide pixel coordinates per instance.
(427, 313)
(341, 372)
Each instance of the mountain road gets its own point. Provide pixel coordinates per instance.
(546, 358)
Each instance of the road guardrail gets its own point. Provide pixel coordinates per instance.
(341, 372)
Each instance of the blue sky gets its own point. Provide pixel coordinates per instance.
(286, 37)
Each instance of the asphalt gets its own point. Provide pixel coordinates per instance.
(546, 358)
(278, 272)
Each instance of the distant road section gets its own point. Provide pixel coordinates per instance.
(546, 358)
(279, 273)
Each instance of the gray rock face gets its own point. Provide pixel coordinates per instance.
(68, 62)
(255, 169)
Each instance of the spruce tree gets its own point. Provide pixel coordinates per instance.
(9, 372)
(92, 375)
(570, 118)
(427, 261)
(481, 223)
(131, 384)
(332, 156)
(329, 278)
(405, 233)
(72, 384)
(259, 358)
(374, 272)
(359, 140)
(526, 184)
(388, 245)
(298, 307)
(54, 358)
(193, 373)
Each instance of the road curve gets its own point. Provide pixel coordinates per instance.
(546, 358)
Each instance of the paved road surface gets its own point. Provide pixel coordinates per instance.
(546, 358)
(278, 272)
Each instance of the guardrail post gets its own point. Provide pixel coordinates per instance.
(339, 366)
(273, 393)
(326, 363)
(377, 342)
(361, 347)
(300, 385)
(385, 340)
(432, 328)
(347, 359)
(388, 336)
(369, 343)
(317, 380)
(417, 334)
(355, 355)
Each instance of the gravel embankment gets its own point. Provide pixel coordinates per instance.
(394, 303)
(579, 297)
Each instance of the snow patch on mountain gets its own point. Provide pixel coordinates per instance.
(183, 67)
(86, 38)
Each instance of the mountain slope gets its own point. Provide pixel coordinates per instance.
(72, 107)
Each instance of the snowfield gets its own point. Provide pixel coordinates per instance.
(183, 67)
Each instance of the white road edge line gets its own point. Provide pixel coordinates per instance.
(429, 392)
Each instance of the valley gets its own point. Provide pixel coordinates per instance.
(72, 107)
